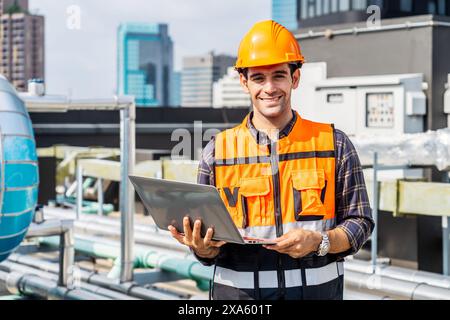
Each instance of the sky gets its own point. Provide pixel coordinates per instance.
(81, 53)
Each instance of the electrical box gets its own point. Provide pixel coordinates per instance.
(416, 103)
(384, 105)
(387, 104)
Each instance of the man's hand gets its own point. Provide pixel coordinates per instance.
(297, 243)
(203, 247)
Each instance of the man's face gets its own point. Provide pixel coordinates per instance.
(270, 88)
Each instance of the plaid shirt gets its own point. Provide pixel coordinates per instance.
(353, 213)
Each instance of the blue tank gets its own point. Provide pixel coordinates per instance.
(19, 175)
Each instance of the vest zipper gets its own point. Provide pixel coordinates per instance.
(278, 218)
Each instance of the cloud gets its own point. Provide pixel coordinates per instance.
(84, 61)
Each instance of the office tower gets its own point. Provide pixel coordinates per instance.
(22, 43)
(175, 95)
(285, 12)
(228, 91)
(295, 14)
(145, 63)
(198, 75)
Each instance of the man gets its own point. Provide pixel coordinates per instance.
(285, 178)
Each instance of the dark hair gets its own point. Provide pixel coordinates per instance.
(292, 67)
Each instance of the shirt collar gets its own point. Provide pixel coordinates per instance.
(261, 137)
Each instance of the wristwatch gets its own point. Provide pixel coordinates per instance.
(324, 246)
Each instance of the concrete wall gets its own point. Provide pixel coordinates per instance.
(441, 69)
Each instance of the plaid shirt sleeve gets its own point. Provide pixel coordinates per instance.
(353, 212)
(205, 175)
(205, 168)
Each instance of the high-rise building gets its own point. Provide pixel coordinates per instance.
(198, 75)
(21, 43)
(285, 12)
(8, 6)
(175, 94)
(145, 63)
(295, 14)
(228, 91)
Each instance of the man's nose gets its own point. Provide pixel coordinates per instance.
(269, 87)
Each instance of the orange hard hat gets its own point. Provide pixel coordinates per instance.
(267, 43)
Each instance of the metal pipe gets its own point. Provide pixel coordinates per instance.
(60, 213)
(446, 238)
(66, 256)
(35, 286)
(373, 285)
(415, 276)
(374, 241)
(355, 30)
(127, 158)
(350, 294)
(13, 297)
(145, 258)
(432, 279)
(99, 280)
(10, 266)
(100, 196)
(63, 228)
(445, 246)
(49, 228)
(146, 236)
(79, 207)
(127, 108)
(63, 103)
(395, 287)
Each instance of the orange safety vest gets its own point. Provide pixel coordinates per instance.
(271, 189)
(269, 192)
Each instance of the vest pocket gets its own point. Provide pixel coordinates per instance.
(309, 189)
(253, 200)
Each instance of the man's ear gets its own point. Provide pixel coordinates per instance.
(296, 79)
(244, 83)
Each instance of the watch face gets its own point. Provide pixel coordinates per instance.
(324, 245)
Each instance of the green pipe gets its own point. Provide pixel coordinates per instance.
(144, 258)
(89, 207)
(13, 297)
(92, 208)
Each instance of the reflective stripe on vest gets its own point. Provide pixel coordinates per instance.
(268, 279)
(269, 232)
(295, 181)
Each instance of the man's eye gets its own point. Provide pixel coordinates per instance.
(258, 79)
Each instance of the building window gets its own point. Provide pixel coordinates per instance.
(304, 11)
(378, 3)
(311, 4)
(406, 5)
(319, 10)
(359, 5)
(344, 5)
(326, 6)
(437, 7)
(432, 7)
(442, 10)
(334, 5)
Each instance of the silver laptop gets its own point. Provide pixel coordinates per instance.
(168, 202)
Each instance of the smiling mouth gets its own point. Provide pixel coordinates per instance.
(271, 99)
